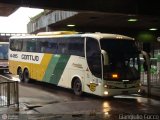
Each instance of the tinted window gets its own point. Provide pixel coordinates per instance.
(12, 45)
(76, 46)
(16, 45)
(29, 45)
(93, 56)
(62, 45)
(47, 45)
(52, 46)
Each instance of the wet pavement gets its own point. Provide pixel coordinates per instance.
(48, 102)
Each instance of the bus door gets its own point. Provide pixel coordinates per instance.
(93, 73)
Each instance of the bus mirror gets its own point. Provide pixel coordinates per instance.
(105, 57)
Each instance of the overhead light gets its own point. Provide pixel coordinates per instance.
(153, 29)
(70, 25)
(132, 20)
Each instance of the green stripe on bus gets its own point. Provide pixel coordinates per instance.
(55, 68)
(59, 68)
(51, 68)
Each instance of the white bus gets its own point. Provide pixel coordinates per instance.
(4, 56)
(95, 63)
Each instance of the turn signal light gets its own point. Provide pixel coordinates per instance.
(115, 76)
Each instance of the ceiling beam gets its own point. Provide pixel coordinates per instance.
(140, 7)
(7, 9)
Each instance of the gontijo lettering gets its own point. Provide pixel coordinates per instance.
(30, 57)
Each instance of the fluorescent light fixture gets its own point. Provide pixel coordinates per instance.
(132, 20)
(70, 25)
(153, 29)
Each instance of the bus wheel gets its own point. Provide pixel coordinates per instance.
(26, 76)
(20, 74)
(77, 87)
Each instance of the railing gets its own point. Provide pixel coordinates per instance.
(155, 79)
(9, 92)
(13, 34)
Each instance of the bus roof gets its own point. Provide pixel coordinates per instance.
(59, 34)
(107, 35)
(56, 33)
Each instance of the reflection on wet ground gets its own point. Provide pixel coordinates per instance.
(40, 99)
(131, 103)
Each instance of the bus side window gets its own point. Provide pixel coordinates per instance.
(31, 45)
(12, 45)
(44, 46)
(19, 45)
(76, 46)
(16, 45)
(42, 49)
(62, 46)
(52, 46)
(48, 45)
(42, 43)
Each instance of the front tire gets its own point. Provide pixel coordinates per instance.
(77, 87)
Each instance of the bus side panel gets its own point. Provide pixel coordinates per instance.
(36, 67)
(13, 67)
(39, 70)
(55, 68)
(74, 68)
(77, 67)
(93, 85)
(50, 68)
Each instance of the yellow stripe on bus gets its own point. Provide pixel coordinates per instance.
(36, 71)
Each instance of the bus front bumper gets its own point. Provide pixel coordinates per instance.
(113, 92)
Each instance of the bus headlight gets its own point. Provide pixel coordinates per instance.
(105, 92)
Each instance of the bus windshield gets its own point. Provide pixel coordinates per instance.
(123, 59)
(3, 51)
